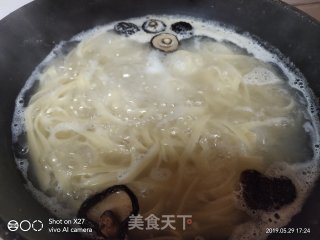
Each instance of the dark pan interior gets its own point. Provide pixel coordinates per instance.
(29, 34)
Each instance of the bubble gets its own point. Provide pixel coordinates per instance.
(260, 76)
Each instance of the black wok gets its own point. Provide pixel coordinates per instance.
(30, 33)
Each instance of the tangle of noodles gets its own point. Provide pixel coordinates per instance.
(177, 128)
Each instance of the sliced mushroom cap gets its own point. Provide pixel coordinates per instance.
(182, 28)
(165, 42)
(154, 26)
(126, 28)
(108, 212)
(118, 202)
(261, 192)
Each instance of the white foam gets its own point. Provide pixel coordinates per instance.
(51, 203)
(260, 76)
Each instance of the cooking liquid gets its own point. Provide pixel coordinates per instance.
(297, 130)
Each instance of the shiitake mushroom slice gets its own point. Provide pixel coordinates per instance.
(126, 28)
(154, 26)
(261, 192)
(182, 28)
(165, 42)
(108, 212)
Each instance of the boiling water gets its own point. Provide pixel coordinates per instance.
(177, 128)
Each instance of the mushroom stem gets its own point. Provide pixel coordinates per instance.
(109, 225)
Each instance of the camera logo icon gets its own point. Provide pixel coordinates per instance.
(13, 225)
(25, 225)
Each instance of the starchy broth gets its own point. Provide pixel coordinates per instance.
(177, 128)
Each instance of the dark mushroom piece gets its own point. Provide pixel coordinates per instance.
(261, 192)
(154, 26)
(108, 212)
(183, 28)
(165, 42)
(126, 28)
